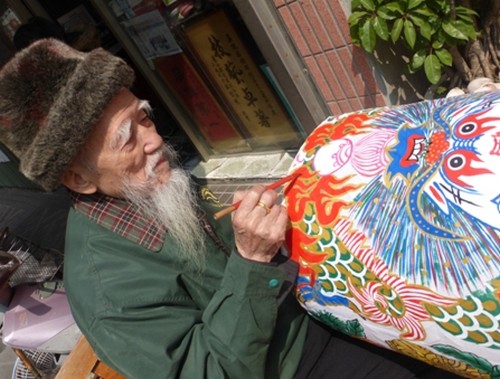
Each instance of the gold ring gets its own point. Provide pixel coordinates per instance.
(264, 206)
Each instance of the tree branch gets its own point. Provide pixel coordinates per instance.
(461, 64)
(480, 59)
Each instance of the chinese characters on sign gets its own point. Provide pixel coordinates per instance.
(224, 58)
(195, 96)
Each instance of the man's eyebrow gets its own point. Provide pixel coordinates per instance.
(122, 134)
(146, 107)
(124, 131)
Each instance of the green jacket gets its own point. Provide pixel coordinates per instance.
(148, 315)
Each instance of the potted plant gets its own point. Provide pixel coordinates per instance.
(453, 41)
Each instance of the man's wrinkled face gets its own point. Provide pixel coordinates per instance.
(125, 146)
(126, 158)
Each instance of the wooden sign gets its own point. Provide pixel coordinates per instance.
(224, 59)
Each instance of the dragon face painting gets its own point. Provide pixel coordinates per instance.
(395, 223)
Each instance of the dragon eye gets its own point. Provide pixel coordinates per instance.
(468, 128)
(456, 162)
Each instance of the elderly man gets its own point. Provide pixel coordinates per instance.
(159, 289)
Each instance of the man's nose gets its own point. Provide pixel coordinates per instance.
(152, 140)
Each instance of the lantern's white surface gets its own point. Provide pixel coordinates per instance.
(396, 227)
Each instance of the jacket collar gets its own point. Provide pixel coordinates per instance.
(121, 217)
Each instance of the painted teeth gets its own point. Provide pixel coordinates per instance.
(418, 148)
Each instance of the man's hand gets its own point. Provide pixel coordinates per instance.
(259, 224)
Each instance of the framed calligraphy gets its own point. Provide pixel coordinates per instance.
(225, 61)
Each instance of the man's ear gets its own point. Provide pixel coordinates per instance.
(72, 179)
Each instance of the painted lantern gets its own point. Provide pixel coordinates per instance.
(396, 227)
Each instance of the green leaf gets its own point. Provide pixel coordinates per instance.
(426, 12)
(385, 13)
(395, 7)
(425, 28)
(467, 29)
(409, 33)
(441, 90)
(380, 27)
(444, 6)
(432, 68)
(368, 5)
(426, 31)
(418, 59)
(465, 18)
(444, 57)
(355, 17)
(450, 28)
(414, 3)
(396, 30)
(355, 4)
(444, 38)
(416, 20)
(461, 10)
(367, 36)
(437, 44)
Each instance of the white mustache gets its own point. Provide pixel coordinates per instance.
(152, 162)
(165, 152)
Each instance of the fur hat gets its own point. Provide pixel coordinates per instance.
(51, 96)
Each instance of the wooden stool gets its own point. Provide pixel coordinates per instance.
(82, 363)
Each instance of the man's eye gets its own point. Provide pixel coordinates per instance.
(146, 120)
(142, 115)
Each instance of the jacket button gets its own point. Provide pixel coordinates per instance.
(273, 283)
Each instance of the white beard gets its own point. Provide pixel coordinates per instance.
(173, 205)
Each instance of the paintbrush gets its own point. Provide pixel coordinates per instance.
(271, 186)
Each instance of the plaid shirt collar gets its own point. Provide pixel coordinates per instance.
(122, 218)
